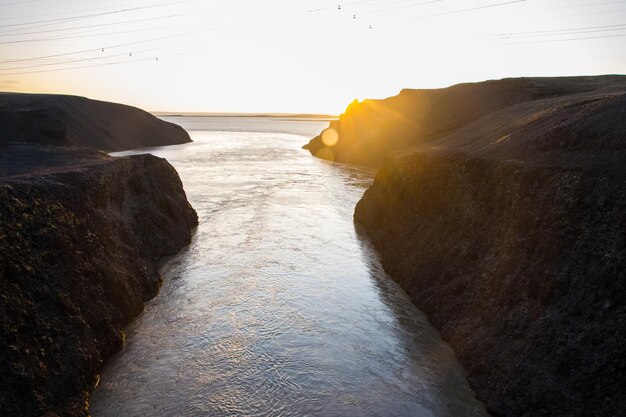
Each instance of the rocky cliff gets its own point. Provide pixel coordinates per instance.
(77, 121)
(371, 130)
(81, 234)
(509, 232)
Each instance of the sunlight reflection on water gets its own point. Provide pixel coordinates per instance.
(278, 307)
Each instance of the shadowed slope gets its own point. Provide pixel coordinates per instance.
(77, 121)
(509, 234)
(81, 235)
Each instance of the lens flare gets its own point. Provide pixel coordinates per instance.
(330, 137)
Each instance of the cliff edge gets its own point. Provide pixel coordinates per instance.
(81, 234)
(369, 131)
(62, 120)
(509, 232)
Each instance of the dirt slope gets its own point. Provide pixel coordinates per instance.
(81, 235)
(510, 233)
(77, 121)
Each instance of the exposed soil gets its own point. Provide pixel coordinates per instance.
(510, 234)
(81, 236)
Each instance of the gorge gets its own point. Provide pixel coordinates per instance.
(500, 208)
(497, 209)
(81, 237)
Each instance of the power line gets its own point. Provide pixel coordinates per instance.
(571, 6)
(64, 13)
(308, 11)
(405, 6)
(18, 2)
(594, 13)
(152, 58)
(566, 40)
(561, 32)
(87, 16)
(74, 61)
(469, 9)
(92, 35)
(138, 7)
(92, 26)
(42, 69)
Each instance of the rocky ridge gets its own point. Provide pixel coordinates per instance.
(63, 120)
(370, 131)
(505, 222)
(81, 236)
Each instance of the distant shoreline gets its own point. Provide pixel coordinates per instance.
(286, 116)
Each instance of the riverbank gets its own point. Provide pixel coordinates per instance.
(506, 228)
(277, 307)
(81, 237)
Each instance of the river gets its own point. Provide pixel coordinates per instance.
(279, 306)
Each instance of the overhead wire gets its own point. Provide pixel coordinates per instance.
(98, 26)
(307, 11)
(470, 9)
(18, 2)
(72, 19)
(92, 35)
(65, 13)
(158, 38)
(89, 16)
(37, 61)
(152, 58)
(560, 32)
(73, 61)
(405, 6)
(566, 40)
(583, 5)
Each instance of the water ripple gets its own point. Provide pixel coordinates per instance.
(278, 307)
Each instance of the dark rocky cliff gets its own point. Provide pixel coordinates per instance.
(81, 235)
(77, 121)
(510, 234)
(371, 130)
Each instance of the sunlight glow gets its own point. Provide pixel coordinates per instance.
(326, 153)
(260, 56)
(330, 137)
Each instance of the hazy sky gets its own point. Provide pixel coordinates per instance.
(295, 55)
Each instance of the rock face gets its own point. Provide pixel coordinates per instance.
(370, 131)
(81, 234)
(77, 121)
(510, 234)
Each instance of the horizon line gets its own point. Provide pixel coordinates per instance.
(245, 114)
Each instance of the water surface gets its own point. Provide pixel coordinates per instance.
(278, 307)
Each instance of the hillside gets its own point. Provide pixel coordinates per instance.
(81, 236)
(369, 131)
(508, 232)
(77, 121)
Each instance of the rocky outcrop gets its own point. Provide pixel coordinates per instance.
(510, 234)
(77, 121)
(81, 234)
(371, 130)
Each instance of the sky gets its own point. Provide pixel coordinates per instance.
(295, 56)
